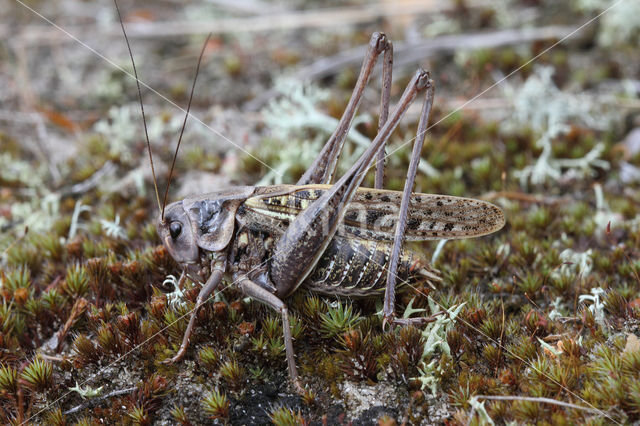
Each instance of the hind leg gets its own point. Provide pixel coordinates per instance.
(390, 291)
(387, 66)
(324, 166)
(297, 251)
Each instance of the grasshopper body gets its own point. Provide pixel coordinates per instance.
(334, 238)
(243, 223)
(235, 232)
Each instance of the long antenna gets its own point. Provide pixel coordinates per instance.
(184, 123)
(144, 119)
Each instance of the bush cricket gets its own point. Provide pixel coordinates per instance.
(333, 238)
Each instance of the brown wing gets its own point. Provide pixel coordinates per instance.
(373, 213)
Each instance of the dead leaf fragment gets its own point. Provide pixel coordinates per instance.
(633, 343)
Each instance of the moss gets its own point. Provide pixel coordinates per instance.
(216, 405)
(283, 416)
(37, 375)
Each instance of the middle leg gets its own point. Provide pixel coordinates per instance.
(258, 293)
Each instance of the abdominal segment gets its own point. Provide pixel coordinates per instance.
(358, 268)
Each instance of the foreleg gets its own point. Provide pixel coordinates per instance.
(206, 290)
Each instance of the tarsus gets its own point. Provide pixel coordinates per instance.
(184, 123)
(144, 119)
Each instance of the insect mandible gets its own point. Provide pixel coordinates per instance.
(335, 239)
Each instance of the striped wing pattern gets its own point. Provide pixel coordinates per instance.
(373, 213)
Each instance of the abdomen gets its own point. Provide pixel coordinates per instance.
(358, 268)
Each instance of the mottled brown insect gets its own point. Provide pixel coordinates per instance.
(336, 239)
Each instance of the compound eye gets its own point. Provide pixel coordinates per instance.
(175, 228)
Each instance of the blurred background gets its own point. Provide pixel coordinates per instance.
(278, 74)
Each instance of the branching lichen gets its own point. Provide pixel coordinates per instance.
(549, 112)
(435, 335)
